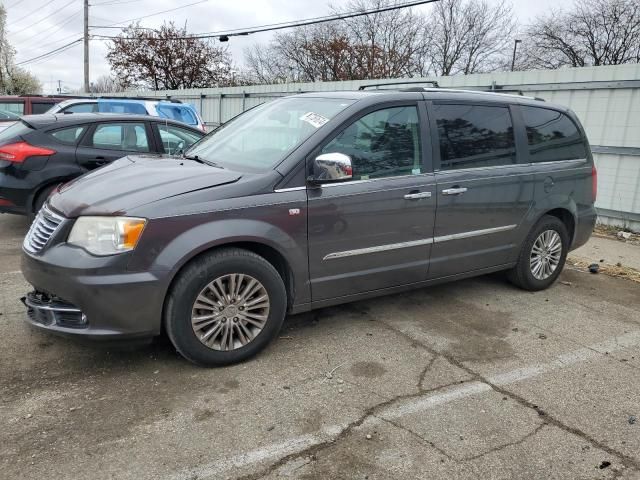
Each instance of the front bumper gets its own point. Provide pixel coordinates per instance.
(104, 301)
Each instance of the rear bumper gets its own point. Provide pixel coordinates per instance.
(585, 222)
(110, 305)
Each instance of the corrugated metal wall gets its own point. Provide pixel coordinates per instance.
(607, 100)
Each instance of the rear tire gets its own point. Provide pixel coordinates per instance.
(40, 200)
(542, 256)
(225, 307)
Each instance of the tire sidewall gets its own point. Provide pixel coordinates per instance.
(194, 279)
(546, 223)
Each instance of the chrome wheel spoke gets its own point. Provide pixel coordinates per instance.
(546, 253)
(230, 312)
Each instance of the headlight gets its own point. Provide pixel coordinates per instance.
(106, 235)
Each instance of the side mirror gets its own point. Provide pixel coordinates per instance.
(332, 167)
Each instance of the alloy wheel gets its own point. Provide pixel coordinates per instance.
(230, 312)
(545, 254)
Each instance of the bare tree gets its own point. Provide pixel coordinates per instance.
(167, 58)
(388, 44)
(459, 36)
(13, 79)
(468, 36)
(106, 84)
(593, 32)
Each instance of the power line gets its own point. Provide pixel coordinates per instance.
(52, 52)
(282, 25)
(15, 4)
(150, 15)
(59, 25)
(44, 18)
(45, 4)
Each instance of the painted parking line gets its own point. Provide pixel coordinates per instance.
(276, 451)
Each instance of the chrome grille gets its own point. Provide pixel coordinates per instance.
(43, 227)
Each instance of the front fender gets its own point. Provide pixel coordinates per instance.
(165, 254)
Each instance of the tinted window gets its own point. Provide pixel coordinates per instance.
(552, 136)
(68, 135)
(175, 139)
(110, 106)
(474, 136)
(40, 107)
(121, 136)
(13, 107)
(384, 143)
(82, 108)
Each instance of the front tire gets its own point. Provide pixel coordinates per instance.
(542, 256)
(225, 307)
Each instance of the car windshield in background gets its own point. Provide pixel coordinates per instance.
(6, 116)
(259, 139)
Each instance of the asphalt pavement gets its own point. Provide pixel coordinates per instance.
(473, 379)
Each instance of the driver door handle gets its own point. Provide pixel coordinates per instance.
(454, 191)
(417, 195)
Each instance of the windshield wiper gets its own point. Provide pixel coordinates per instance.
(201, 160)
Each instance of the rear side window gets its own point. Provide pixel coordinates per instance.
(40, 107)
(474, 136)
(108, 106)
(130, 137)
(181, 113)
(69, 136)
(552, 136)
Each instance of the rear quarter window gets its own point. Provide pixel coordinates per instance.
(181, 113)
(552, 136)
(68, 136)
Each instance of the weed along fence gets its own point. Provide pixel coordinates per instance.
(607, 100)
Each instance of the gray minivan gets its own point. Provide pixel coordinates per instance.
(309, 201)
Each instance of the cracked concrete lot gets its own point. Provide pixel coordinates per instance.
(473, 379)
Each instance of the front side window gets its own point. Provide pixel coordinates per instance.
(474, 136)
(176, 139)
(264, 136)
(552, 136)
(13, 107)
(69, 135)
(130, 137)
(384, 143)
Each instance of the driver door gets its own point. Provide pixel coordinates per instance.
(374, 231)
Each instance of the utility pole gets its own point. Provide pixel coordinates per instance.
(86, 46)
(515, 48)
(59, 86)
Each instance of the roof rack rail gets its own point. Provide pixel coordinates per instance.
(412, 82)
(116, 97)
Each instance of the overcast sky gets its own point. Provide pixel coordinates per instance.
(39, 26)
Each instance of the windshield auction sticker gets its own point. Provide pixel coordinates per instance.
(314, 119)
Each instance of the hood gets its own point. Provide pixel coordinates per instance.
(134, 181)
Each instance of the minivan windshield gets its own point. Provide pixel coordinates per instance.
(262, 137)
